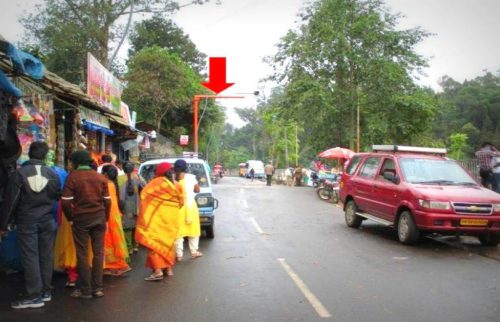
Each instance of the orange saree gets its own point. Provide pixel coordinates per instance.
(115, 246)
(158, 221)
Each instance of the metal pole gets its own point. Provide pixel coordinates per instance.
(195, 114)
(357, 120)
(195, 123)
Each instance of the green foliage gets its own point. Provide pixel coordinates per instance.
(159, 84)
(458, 143)
(471, 108)
(166, 34)
(65, 30)
(348, 54)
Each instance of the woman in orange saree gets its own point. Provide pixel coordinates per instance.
(158, 221)
(116, 254)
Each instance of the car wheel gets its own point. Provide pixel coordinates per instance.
(324, 194)
(489, 240)
(408, 232)
(209, 231)
(351, 219)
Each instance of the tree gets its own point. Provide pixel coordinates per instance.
(472, 108)
(159, 83)
(347, 55)
(458, 143)
(65, 30)
(166, 34)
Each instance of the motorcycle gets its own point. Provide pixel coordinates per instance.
(316, 180)
(329, 191)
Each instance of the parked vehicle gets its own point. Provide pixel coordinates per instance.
(417, 191)
(328, 190)
(318, 178)
(257, 166)
(205, 199)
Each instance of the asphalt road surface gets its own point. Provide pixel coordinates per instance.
(281, 254)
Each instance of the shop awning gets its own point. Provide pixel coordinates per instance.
(118, 119)
(96, 128)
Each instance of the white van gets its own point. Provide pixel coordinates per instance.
(258, 168)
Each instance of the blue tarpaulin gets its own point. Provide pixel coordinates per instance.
(8, 86)
(24, 62)
(97, 128)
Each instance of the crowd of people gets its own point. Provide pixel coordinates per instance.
(90, 222)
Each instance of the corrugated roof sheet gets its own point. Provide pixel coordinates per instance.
(58, 86)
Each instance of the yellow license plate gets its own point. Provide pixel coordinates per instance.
(473, 222)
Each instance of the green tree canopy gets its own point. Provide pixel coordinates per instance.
(159, 83)
(166, 34)
(65, 30)
(471, 108)
(348, 54)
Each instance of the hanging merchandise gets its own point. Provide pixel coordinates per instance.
(34, 121)
(60, 144)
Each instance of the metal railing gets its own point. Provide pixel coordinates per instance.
(471, 166)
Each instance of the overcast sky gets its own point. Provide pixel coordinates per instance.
(466, 40)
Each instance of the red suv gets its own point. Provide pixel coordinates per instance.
(418, 190)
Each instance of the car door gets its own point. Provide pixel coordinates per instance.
(364, 182)
(387, 193)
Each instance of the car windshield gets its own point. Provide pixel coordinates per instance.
(428, 171)
(148, 172)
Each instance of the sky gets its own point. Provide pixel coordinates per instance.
(465, 40)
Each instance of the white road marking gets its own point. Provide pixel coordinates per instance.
(313, 300)
(256, 225)
(245, 204)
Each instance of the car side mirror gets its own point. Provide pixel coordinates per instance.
(391, 176)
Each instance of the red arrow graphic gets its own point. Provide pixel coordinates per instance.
(217, 75)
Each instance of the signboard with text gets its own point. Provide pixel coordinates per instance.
(125, 112)
(94, 117)
(102, 85)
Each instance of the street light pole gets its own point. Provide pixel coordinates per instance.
(357, 121)
(196, 101)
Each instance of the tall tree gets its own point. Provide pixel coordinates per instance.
(159, 83)
(65, 30)
(348, 55)
(164, 33)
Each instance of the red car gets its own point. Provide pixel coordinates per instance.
(417, 191)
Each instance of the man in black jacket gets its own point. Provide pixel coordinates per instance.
(29, 199)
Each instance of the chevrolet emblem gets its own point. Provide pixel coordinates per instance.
(473, 208)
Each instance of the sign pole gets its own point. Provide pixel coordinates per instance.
(195, 123)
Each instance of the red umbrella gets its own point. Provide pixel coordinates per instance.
(336, 153)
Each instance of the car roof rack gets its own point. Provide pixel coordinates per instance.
(404, 148)
(185, 155)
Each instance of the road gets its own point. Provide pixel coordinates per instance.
(281, 254)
